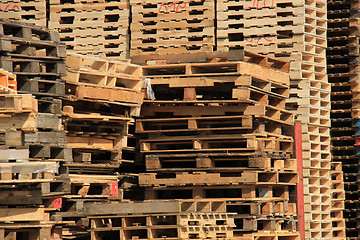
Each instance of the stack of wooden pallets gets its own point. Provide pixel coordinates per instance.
(217, 130)
(92, 27)
(352, 168)
(341, 63)
(294, 31)
(22, 178)
(103, 97)
(163, 27)
(36, 56)
(32, 11)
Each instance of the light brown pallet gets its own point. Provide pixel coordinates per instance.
(33, 12)
(96, 92)
(18, 103)
(193, 124)
(215, 143)
(217, 69)
(27, 172)
(219, 161)
(203, 178)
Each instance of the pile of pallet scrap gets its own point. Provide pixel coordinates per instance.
(92, 27)
(218, 130)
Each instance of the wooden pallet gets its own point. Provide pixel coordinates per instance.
(218, 143)
(264, 224)
(158, 125)
(43, 42)
(174, 226)
(84, 91)
(192, 88)
(223, 178)
(27, 172)
(260, 209)
(78, 62)
(217, 161)
(236, 192)
(30, 12)
(217, 69)
(7, 81)
(18, 103)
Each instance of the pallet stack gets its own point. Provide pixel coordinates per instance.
(36, 57)
(103, 97)
(22, 178)
(32, 11)
(217, 130)
(294, 31)
(342, 53)
(92, 27)
(352, 169)
(164, 27)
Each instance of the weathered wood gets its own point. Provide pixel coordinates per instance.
(21, 214)
(20, 197)
(131, 208)
(7, 155)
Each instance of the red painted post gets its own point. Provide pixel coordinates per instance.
(300, 185)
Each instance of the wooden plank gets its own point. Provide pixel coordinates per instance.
(20, 197)
(105, 93)
(131, 208)
(7, 155)
(171, 58)
(21, 214)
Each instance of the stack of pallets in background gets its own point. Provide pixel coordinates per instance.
(219, 130)
(92, 27)
(352, 168)
(32, 11)
(22, 178)
(342, 54)
(294, 31)
(164, 27)
(102, 98)
(343, 71)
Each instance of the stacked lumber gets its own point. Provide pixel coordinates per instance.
(22, 178)
(341, 66)
(295, 31)
(32, 11)
(92, 27)
(163, 27)
(220, 130)
(103, 97)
